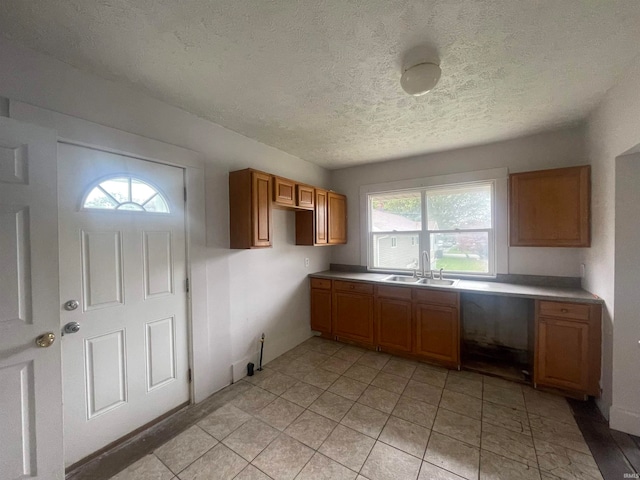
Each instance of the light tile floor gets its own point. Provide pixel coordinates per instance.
(325, 410)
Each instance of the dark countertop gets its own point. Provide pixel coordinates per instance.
(476, 286)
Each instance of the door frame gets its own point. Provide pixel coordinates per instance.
(76, 131)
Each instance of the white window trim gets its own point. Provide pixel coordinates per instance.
(500, 209)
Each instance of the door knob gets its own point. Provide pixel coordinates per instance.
(71, 305)
(46, 340)
(71, 327)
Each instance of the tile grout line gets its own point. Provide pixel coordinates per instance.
(194, 461)
(535, 449)
(375, 439)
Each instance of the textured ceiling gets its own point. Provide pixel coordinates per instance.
(320, 78)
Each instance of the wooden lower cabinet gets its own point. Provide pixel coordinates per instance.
(394, 330)
(567, 351)
(437, 333)
(321, 310)
(425, 324)
(353, 316)
(321, 306)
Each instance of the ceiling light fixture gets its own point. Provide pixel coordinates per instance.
(419, 79)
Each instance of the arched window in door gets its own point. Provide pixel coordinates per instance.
(125, 193)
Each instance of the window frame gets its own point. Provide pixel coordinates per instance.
(424, 234)
(97, 184)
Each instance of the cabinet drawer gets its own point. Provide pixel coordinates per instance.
(577, 311)
(394, 292)
(435, 297)
(322, 283)
(353, 287)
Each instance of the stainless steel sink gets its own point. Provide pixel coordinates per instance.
(401, 279)
(435, 281)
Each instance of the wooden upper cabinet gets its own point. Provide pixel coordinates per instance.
(250, 223)
(284, 192)
(311, 225)
(550, 208)
(336, 218)
(320, 234)
(567, 352)
(305, 197)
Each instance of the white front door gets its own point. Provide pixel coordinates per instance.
(30, 381)
(123, 272)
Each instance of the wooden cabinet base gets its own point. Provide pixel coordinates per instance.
(424, 324)
(321, 310)
(394, 328)
(567, 350)
(353, 316)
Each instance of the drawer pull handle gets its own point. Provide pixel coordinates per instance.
(564, 310)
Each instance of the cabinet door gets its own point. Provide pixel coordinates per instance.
(437, 333)
(321, 310)
(337, 218)
(305, 196)
(562, 354)
(321, 217)
(261, 209)
(393, 324)
(283, 192)
(353, 316)
(550, 208)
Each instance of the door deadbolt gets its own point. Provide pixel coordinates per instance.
(71, 327)
(71, 305)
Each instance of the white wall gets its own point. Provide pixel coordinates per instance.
(248, 292)
(547, 150)
(612, 130)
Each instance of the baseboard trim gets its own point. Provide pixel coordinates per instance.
(239, 369)
(624, 420)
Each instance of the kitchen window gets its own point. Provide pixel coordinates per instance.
(454, 223)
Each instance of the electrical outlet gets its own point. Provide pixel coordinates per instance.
(306, 262)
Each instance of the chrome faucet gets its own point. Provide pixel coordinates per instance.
(426, 263)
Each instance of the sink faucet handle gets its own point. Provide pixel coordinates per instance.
(441, 273)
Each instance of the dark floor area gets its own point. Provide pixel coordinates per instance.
(617, 454)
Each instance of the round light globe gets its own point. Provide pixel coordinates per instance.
(421, 78)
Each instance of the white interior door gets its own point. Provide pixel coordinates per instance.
(122, 259)
(30, 382)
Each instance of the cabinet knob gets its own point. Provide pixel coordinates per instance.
(564, 310)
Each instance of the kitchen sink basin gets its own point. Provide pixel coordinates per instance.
(435, 281)
(401, 279)
(420, 281)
